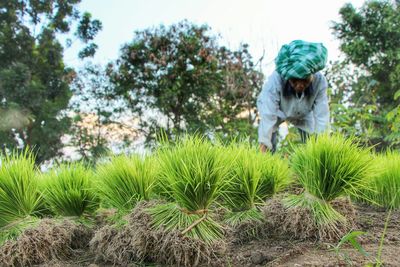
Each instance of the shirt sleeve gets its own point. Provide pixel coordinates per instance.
(268, 107)
(321, 107)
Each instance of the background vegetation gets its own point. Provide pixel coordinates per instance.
(174, 79)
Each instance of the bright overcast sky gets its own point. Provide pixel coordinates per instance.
(264, 24)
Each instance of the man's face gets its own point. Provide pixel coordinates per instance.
(299, 85)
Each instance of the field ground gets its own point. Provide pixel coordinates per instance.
(275, 251)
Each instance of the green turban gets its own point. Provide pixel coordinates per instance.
(300, 59)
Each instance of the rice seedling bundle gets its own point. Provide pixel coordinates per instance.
(193, 174)
(254, 177)
(386, 183)
(19, 192)
(68, 190)
(126, 180)
(328, 167)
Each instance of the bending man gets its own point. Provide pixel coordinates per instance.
(296, 92)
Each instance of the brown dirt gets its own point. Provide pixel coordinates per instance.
(277, 250)
(281, 250)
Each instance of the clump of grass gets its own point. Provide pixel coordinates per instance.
(254, 177)
(328, 167)
(193, 174)
(68, 190)
(19, 192)
(386, 182)
(126, 180)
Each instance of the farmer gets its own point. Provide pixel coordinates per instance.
(295, 92)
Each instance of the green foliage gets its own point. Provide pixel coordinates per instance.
(126, 180)
(378, 259)
(369, 38)
(19, 192)
(68, 190)
(358, 121)
(86, 31)
(393, 118)
(386, 182)
(350, 238)
(193, 175)
(189, 82)
(34, 82)
(254, 177)
(355, 116)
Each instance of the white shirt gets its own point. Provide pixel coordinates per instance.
(309, 113)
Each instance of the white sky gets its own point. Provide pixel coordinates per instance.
(264, 24)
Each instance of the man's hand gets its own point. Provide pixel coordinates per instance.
(263, 148)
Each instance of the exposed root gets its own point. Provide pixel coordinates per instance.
(50, 240)
(245, 226)
(249, 230)
(128, 244)
(138, 242)
(173, 248)
(298, 222)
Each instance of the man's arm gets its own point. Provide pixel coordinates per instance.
(321, 106)
(268, 106)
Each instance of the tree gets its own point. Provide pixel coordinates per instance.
(234, 108)
(99, 118)
(34, 82)
(178, 79)
(369, 39)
